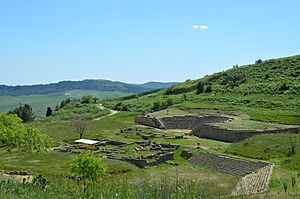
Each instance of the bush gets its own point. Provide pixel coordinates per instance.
(15, 134)
(24, 112)
(87, 169)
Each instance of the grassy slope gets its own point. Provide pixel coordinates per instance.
(41, 102)
(274, 148)
(55, 165)
(268, 91)
(281, 106)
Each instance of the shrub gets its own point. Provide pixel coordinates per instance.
(87, 169)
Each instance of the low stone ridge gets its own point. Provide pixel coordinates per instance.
(142, 162)
(254, 183)
(226, 165)
(225, 135)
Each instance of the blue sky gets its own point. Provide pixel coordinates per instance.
(137, 41)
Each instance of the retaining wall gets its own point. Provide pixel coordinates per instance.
(148, 121)
(216, 133)
(178, 122)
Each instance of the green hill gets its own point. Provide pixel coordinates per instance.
(91, 85)
(267, 91)
(44, 95)
(274, 76)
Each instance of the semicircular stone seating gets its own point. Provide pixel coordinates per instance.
(255, 175)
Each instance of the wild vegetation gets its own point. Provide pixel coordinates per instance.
(96, 85)
(267, 91)
(15, 134)
(49, 95)
(261, 96)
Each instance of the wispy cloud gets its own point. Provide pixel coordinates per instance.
(199, 27)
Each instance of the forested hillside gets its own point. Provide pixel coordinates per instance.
(274, 76)
(267, 91)
(92, 85)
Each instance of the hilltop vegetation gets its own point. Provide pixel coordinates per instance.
(15, 134)
(267, 91)
(274, 76)
(86, 108)
(42, 96)
(246, 93)
(91, 85)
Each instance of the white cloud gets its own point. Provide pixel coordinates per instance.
(199, 27)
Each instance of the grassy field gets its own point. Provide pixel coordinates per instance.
(56, 165)
(256, 97)
(273, 148)
(40, 103)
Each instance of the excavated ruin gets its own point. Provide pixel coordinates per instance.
(201, 126)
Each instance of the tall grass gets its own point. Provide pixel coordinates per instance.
(164, 188)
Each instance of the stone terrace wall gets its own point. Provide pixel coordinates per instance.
(148, 121)
(216, 133)
(226, 165)
(178, 122)
(189, 122)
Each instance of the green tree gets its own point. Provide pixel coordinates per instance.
(156, 106)
(208, 89)
(15, 134)
(200, 87)
(87, 99)
(24, 112)
(49, 112)
(259, 61)
(95, 100)
(87, 169)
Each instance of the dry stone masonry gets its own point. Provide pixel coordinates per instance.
(255, 175)
(253, 183)
(225, 135)
(201, 127)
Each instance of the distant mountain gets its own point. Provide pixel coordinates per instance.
(160, 84)
(92, 85)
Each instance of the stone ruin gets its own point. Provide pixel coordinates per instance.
(189, 122)
(149, 135)
(17, 176)
(200, 126)
(226, 165)
(225, 135)
(255, 176)
(178, 122)
(162, 152)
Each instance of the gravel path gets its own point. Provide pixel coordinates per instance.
(112, 112)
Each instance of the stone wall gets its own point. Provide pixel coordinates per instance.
(200, 127)
(138, 162)
(216, 133)
(178, 122)
(226, 165)
(162, 158)
(148, 121)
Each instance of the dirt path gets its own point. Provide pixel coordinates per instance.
(112, 112)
